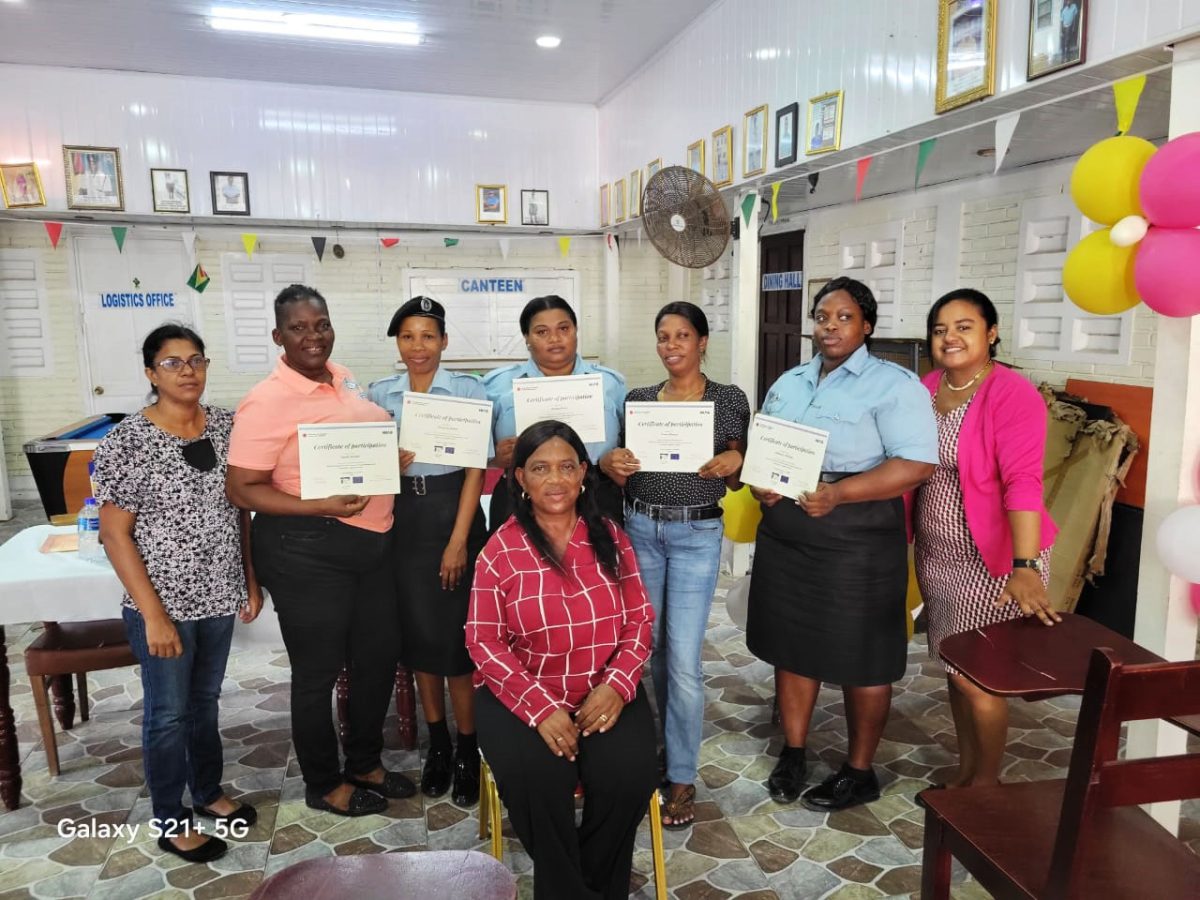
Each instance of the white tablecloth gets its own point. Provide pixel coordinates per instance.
(61, 587)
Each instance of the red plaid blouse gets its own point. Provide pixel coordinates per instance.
(542, 637)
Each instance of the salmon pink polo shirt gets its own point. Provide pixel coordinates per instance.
(265, 437)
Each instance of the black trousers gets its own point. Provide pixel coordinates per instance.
(332, 586)
(618, 771)
(610, 497)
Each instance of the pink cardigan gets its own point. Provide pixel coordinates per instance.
(1001, 446)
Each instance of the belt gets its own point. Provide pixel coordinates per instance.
(420, 485)
(674, 513)
(831, 477)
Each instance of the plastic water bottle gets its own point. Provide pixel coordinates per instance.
(89, 531)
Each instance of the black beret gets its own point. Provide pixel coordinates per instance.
(417, 306)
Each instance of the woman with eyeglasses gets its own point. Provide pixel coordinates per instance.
(180, 549)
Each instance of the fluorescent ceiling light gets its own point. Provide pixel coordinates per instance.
(549, 41)
(315, 26)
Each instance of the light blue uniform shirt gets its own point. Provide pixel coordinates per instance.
(498, 383)
(389, 393)
(873, 409)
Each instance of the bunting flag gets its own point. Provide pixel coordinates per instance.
(564, 246)
(119, 232)
(504, 245)
(249, 240)
(923, 150)
(198, 280)
(1006, 127)
(450, 242)
(389, 242)
(813, 178)
(864, 166)
(54, 230)
(775, 200)
(1127, 93)
(748, 207)
(319, 248)
(189, 243)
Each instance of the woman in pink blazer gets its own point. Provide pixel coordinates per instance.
(982, 532)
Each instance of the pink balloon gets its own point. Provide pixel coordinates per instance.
(1166, 271)
(1170, 185)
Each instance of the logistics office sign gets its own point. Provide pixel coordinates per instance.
(126, 300)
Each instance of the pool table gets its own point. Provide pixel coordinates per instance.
(59, 462)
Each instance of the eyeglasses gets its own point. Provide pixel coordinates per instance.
(545, 470)
(196, 363)
(200, 455)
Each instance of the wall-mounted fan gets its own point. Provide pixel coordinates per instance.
(685, 217)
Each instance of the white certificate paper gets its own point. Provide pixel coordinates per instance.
(670, 437)
(784, 457)
(447, 431)
(359, 458)
(577, 400)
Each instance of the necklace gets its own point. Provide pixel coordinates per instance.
(975, 378)
(695, 395)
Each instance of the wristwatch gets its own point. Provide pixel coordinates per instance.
(1035, 564)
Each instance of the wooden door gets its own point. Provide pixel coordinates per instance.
(783, 313)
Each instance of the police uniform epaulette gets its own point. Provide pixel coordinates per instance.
(386, 380)
(607, 371)
(497, 373)
(899, 368)
(470, 376)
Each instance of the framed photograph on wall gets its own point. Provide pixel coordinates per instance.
(491, 204)
(169, 191)
(695, 156)
(653, 168)
(535, 207)
(1057, 35)
(785, 134)
(966, 60)
(823, 130)
(619, 200)
(814, 288)
(605, 209)
(230, 193)
(722, 167)
(93, 178)
(754, 141)
(635, 193)
(21, 185)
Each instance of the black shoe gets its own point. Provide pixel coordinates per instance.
(395, 785)
(245, 815)
(787, 778)
(435, 777)
(362, 803)
(213, 848)
(466, 781)
(842, 790)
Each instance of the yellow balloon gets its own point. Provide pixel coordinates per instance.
(1104, 183)
(1098, 275)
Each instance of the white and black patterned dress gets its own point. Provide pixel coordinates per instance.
(959, 592)
(186, 529)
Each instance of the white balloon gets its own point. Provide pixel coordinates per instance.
(1179, 543)
(1128, 231)
(737, 601)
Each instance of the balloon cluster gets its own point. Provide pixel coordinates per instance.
(1178, 542)
(1150, 200)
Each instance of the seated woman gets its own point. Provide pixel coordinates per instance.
(559, 629)
(178, 546)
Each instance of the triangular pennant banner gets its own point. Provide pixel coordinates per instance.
(1127, 93)
(450, 242)
(864, 166)
(189, 243)
(813, 178)
(249, 240)
(923, 150)
(119, 232)
(389, 242)
(198, 280)
(1006, 127)
(504, 245)
(319, 247)
(564, 246)
(748, 207)
(775, 200)
(54, 230)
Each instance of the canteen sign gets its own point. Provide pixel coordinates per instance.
(161, 300)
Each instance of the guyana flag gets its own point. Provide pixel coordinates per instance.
(199, 279)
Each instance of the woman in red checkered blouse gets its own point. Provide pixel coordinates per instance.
(559, 629)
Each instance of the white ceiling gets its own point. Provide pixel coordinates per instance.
(480, 48)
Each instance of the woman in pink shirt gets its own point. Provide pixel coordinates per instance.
(983, 535)
(559, 630)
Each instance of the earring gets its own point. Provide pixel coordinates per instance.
(583, 489)
(524, 496)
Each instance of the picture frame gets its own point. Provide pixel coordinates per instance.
(605, 207)
(21, 185)
(535, 207)
(814, 288)
(653, 168)
(169, 191)
(635, 193)
(618, 201)
(93, 176)
(722, 164)
(786, 120)
(966, 53)
(1057, 35)
(230, 193)
(491, 204)
(755, 128)
(823, 127)
(695, 156)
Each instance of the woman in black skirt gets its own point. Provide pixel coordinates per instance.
(434, 557)
(831, 570)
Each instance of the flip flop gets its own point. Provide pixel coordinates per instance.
(680, 807)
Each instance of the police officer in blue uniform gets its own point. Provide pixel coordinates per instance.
(434, 562)
(552, 336)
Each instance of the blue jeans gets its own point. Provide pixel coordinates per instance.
(679, 563)
(180, 740)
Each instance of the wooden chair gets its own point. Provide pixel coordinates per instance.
(406, 706)
(1082, 837)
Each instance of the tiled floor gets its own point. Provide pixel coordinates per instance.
(742, 845)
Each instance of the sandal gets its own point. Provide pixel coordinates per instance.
(680, 807)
